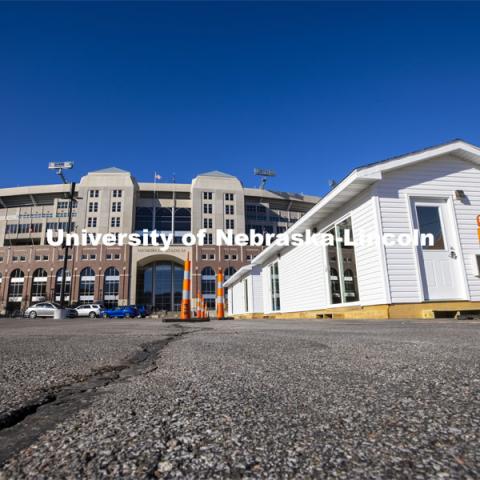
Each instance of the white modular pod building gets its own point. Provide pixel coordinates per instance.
(245, 295)
(433, 192)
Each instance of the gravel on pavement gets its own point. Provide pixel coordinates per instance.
(41, 354)
(278, 399)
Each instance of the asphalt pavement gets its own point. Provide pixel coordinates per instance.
(239, 399)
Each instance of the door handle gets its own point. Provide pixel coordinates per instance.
(452, 253)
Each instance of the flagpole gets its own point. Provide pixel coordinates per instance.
(154, 199)
(173, 209)
(31, 229)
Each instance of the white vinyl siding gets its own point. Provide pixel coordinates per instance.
(238, 303)
(246, 294)
(385, 274)
(254, 290)
(369, 259)
(370, 263)
(436, 178)
(303, 272)
(230, 308)
(266, 288)
(305, 265)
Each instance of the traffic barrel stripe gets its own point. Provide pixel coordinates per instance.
(185, 307)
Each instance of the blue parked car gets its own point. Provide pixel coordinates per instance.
(143, 310)
(120, 312)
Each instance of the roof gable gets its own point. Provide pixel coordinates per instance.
(110, 170)
(460, 148)
(361, 178)
(216, 173)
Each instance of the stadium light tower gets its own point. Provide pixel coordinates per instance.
(265, 174)
(59, 167)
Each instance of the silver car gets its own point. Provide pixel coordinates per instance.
(89, 310)
(46, 309)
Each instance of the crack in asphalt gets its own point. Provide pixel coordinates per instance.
(10, 419)
(23, 426)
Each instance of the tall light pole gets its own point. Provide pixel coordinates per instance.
(59, 167)
(264, 173)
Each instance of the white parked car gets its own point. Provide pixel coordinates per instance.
(46, 309)
(89, 310)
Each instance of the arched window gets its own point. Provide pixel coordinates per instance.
(39, 285)
(15, 287)
(182, 220)
(144, 218)
(163, 219)
(87, 285)
(58, 285)
(111, 287)
(228, 273)
(208, 286)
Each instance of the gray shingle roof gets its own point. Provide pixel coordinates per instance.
(411, 153)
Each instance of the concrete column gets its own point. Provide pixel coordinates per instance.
(50, 293)
(98, 289)
(27, 289)
(75, 288)
(123, 287)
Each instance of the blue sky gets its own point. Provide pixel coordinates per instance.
(308, 89)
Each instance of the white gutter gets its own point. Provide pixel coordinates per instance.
(314, 214)
(238, 275)
(366, 175)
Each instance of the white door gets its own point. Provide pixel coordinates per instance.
(439, 263)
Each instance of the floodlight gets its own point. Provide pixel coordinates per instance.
(60, 165)
(264, 173)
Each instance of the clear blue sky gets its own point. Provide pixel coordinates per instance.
(309, 89)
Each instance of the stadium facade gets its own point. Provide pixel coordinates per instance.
(112, 201)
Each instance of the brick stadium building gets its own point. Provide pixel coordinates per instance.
(111, 200)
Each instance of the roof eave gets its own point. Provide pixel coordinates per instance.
(461, 148)
(361, 178)
(238, 275)
(342, 193)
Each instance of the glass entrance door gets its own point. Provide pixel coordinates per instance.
(159, 285)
